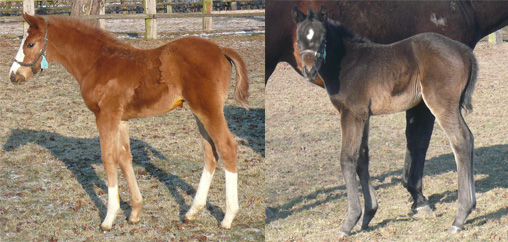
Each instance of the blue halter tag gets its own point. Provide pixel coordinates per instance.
(44, 63)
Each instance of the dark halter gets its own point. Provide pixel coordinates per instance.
(320, 53)
(43, 52)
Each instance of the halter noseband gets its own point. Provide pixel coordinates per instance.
(43, 53)
(319, 53)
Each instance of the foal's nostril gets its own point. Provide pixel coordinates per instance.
(17, 79)
(12, 77)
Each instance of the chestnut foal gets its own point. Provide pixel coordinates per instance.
(119, 82)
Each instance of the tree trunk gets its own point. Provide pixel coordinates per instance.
(87, 7)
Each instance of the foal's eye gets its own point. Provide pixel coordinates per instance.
(30, 45)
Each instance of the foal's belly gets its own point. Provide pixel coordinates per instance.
(158, 106)
(393, 104)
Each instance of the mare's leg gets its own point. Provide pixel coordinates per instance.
(212, 118)
(125, 160)
(362, 170)
(419, 126)
(107, 123)
(210, 159)
(352, 128)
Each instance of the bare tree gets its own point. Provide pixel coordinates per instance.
(87, 7)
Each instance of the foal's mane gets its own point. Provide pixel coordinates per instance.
(346, 33)
(88, 31)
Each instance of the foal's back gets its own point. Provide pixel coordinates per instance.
(393, 76)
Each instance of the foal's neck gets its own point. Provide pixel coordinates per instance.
(72, 49)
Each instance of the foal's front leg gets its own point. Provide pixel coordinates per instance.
(369, 195)
(125, 159)
(108, 132)
(352, 129)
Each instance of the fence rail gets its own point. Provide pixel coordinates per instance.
(150, 14)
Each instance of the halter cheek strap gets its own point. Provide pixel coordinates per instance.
(319, 53)
(44, 62)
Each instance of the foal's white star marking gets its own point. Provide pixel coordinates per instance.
(310, 34)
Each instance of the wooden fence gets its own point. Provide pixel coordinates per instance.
(150, 11)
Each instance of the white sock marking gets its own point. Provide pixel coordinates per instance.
(199, 201)
(231, 199)
(113, 207)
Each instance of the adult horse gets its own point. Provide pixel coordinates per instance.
(363, 79)
(119, 82)
(386, 22)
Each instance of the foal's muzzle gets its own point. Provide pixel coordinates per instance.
(311, 62)
(17, 79)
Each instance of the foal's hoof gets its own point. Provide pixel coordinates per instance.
(133, 220)
(225, 225)
(105, 229)
(423, 212)
(342, 234)
(455, 230)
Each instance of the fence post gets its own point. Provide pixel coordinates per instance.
(150, 23)
(496, 38)
(207, 21)
(102, 11)
(28, 7)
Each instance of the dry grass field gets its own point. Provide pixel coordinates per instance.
(305, 192)
(52, 181)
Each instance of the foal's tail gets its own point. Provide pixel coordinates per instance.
(467, 94)
(242, 81)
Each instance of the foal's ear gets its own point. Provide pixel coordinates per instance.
(322, 14)
(35, 21)
(298, 16)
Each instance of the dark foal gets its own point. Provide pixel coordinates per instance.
(364, 79)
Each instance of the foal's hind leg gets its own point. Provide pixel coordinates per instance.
(210, 159)
(461, 140)
(125, 160)
(214, 122)
(352, 128)
(369, 195)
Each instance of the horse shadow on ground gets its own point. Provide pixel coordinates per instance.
(248, 125)
(490, 161)
(78, 155)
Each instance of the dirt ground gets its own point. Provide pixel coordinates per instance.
(52, 181)
(305, 192)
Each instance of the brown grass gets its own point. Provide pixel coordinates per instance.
(305, 190)
(52, 182)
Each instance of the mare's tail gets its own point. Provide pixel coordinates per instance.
(467, 94)
(242, 81)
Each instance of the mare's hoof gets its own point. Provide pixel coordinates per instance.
(455, 230)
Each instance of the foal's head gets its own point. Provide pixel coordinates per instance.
(32, 51)
(311, 35)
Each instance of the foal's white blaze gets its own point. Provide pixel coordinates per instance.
(231, 199)
(310, 34)
(200, 199)
(19, 57)
(113, 207)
